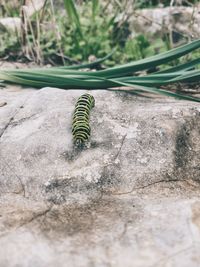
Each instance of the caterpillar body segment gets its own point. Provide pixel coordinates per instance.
(80, 123)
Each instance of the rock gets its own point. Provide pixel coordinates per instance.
(10, 24)
(33, 6)
(15, 23)
(131, 197)
(183, 21)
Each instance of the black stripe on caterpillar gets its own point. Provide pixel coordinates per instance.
(80, 123)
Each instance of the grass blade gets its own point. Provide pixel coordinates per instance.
(182, 67)
(150, 62)
(95, 6)
(66, 78)
(89, 65)
(73, 14)
(188, 76)
(160, 91)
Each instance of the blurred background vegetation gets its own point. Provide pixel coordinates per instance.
(65, 32)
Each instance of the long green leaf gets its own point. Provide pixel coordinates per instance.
(89, 65)
(189, 76)
(128, 69)
(150, 62)
(161, 91)
(182, 67)
(114, 77)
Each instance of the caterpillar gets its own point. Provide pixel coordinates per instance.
(80, 122)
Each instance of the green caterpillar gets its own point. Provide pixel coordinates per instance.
(80, 123)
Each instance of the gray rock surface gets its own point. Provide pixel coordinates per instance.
(131, 198)
(184, 21)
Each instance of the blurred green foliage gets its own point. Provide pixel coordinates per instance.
(100, 33)
(78, 33)
(9, 44)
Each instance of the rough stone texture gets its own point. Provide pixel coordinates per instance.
(182, 20)
(131, 198)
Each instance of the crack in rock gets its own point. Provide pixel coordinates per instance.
(6, 127)
(37, 216)
(15, 123)
(12, 118)
(165, 260)
(122, 143)
(22, 191)
(148, 185)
